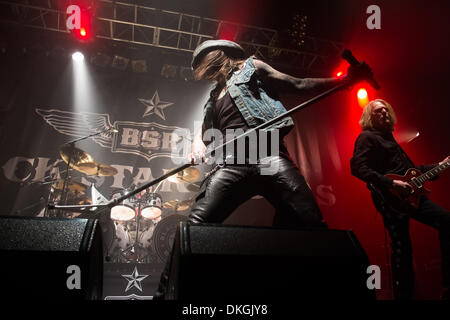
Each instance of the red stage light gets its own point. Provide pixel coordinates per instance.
(362, 94)
(363, 97)
(339, 74)
(79, 20)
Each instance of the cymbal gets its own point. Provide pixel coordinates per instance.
(74, 155)
(73, 186)
(83, 162)
(178, 205)
(97, 169)
(190, 174)
(77, 193)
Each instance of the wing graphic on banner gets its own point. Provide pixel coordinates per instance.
(79, 124)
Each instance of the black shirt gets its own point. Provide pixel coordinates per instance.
(377, 153)
(227, 116)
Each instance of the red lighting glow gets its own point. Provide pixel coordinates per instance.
(362, 94)
(339, 74)
(363, 97)
(79, 21)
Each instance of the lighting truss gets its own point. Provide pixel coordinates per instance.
(148, 26)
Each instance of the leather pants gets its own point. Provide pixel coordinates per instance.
(231, 185)
(286, 189)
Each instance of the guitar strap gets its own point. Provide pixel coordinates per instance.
(405, 155)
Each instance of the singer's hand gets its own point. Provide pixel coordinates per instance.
(359, 72)
(198, 152)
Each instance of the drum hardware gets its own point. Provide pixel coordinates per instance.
(74, 157)
(134, 220)
(75, 192)
(73, 186)
(152, 208)
(114, 202)
(43, 181)
(97, 169)
(136, 251)
(194, 187)
(178, 205)
(84, 163)
(125, 211)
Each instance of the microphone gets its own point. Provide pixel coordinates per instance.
(348, 56)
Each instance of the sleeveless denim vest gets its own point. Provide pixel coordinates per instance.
(255, 105)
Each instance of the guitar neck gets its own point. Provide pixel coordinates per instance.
(433, 172)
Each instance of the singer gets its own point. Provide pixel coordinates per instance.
(246, 95)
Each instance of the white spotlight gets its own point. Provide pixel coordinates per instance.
(78, 56)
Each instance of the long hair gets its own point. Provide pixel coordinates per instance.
(216, 65)
(366, 117)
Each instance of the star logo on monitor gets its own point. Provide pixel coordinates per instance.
(134, 280)
(155, 106)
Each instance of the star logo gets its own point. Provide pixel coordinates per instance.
(134, 280)
(155, 105)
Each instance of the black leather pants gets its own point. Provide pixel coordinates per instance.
(397, 225)
(285, 189)
(231, 185)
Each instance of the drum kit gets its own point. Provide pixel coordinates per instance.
(134, 218)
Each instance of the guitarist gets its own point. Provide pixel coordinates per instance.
(376, 153)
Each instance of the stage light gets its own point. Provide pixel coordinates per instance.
(100, 59)
(78, 56)
(339, 74)
(363, 97)
(120, 63)
(79, 21)
(169, 71)
(415, 136)
(139, 66)
(406, 136)
(362, 94)
(84, 92)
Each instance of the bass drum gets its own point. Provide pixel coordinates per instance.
(164, 234)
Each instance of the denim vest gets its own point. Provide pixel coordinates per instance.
(255, 105)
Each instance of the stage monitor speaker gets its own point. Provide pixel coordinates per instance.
(220, 262)
(51, 258)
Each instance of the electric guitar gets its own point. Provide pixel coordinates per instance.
(415, 178)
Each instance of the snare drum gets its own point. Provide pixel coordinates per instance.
(152, 204)
(125, 210)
